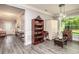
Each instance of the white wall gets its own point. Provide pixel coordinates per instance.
(29, 15)
(51, 27)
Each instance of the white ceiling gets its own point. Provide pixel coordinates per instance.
(9, 12)
(54, 9)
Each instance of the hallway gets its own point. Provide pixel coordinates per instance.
(13, 45)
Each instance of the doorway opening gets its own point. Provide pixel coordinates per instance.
(11, 23)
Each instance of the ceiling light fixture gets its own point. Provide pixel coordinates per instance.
(62, 10)
(61, 16)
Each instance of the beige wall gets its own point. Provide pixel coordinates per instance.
(20, 23)
(51, 27)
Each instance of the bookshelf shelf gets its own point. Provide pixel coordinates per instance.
(37, 31)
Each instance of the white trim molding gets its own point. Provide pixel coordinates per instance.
(24, 6)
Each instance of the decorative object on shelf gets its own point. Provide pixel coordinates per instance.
(38, 17)
(37, 30)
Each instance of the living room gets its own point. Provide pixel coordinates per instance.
(59, 34)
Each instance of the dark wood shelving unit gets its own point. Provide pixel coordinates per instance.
(37, 31)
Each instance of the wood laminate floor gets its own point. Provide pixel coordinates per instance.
(13, 45)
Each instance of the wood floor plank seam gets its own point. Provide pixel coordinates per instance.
(12, 45)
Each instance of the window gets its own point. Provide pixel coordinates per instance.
(72, 23)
